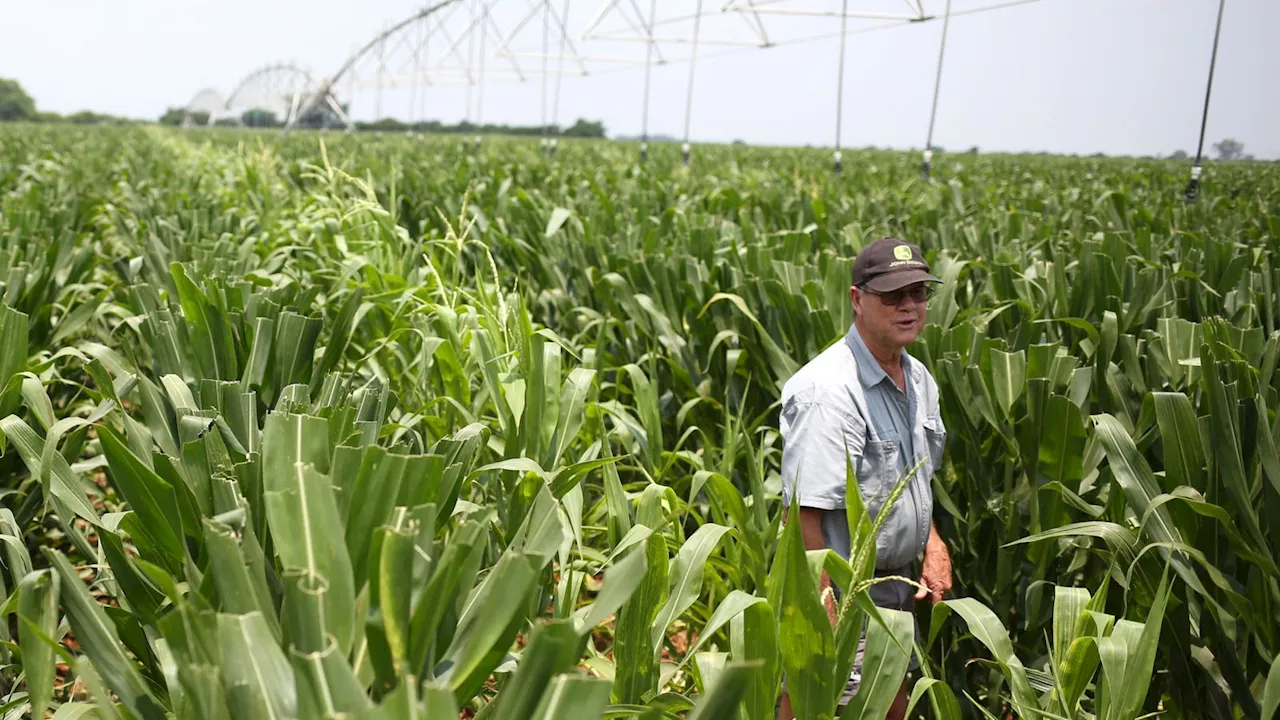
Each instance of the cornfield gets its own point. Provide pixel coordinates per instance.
(383, 427)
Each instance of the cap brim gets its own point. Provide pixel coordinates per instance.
(889, 282)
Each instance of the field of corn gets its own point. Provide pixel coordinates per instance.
(380, 427)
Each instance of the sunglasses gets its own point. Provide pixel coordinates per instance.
(919, 293)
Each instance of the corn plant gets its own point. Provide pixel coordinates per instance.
(559, 379)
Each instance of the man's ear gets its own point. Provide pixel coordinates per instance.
(855, 299)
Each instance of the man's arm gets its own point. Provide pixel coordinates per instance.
(935, 574)
(811, 531)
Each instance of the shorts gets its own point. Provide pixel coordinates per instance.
(893, 595)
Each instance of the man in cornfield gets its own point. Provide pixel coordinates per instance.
(865, 399)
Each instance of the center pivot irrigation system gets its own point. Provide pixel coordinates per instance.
(474, 43)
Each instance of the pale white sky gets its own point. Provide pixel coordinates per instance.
(1117, 76)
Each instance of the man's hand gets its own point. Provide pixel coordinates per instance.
(935, 575)
(829, 599)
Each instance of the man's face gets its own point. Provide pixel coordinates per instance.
(894, 319)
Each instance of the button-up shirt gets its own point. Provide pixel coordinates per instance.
(843, 404)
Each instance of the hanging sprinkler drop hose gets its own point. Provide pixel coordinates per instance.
(1193, 185)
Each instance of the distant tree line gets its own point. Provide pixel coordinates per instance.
(324, 117)
(17, 106)
(581, 128)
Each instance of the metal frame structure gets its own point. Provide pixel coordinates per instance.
(436, 46)
(415, 34)
(281, 88)
(208, 101)
(754, 16)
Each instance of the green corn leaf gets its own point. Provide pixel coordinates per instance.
(1226, 445)
(326, 685)
(620, 583)
(1271, 691)
(13, 348)
(1008, 379)
(1062, 442)
(391, 594)
(1128, 694)
(302, 520)
(303, 514)
(619, 507)
(339, 336)
(645, 396)
(1068, 608)
(943, 699)
(753, 636)
(208, 329)
(63, 483)
(37, 635)
(499, 604)
(633, 646)
(303, 611)
(1184, 456)
(573, 697)
(375, 489)
(725, 694)
(100, 641)
(444, 585)
(554, 648)
(242, 588)
(884, 664)
(805, 640)
(150, 496)
(734, 604)
(986, 627)
(686, 579)
(259, 681)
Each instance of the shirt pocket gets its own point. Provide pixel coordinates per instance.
(935, 435)
(878, 473)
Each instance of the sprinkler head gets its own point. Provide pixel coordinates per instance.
(1193, 186)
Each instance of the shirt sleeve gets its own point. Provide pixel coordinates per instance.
(818, 442)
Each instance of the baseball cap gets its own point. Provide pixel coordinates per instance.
(888, 264)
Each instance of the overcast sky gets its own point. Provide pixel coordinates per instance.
(1079, 76)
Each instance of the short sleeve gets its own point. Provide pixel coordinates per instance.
(818, 441)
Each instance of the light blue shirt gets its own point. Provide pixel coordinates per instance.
(843, 404)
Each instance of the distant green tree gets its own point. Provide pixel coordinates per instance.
(1178, 155)
(87, 117)
(174, 116)
(47, 117)
(260, 118)
(15, 103)
(583, 128)
(1229, 149)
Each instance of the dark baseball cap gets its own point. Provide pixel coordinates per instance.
(888, 264)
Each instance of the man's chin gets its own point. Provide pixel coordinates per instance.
(905, 335)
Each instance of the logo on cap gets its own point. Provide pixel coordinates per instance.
(902, 252)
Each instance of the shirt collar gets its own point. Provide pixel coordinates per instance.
(869, 371)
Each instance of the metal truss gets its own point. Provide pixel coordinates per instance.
(208, 102)
(471, 43)
(281, 89)
(748, 24)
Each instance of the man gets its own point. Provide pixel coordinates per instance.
(866, 399)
